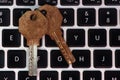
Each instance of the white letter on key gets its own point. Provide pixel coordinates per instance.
(49, 78)
(27, 78)
(16, 58)
(5, 78)
(76, 37)
(60, 58)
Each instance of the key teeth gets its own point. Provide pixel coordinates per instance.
(33, 60)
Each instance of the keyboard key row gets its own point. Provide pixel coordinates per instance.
(75, 38)
(27, 2)
(17, 59)
(106, 17)
(55, 2)
(85, 16)
(65, 75)
(101, 59)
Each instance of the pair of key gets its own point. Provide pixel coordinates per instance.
(34, 24)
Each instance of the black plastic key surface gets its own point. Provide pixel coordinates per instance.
(17, 13)
(70, 75)
(102, 58)
(4, 17)
(70, 2)
(114, 37)
(117, 58)
(6, 2)
(82, 57)
(112, 75)
(2, 58)
(92, 75)
(57, 60)
(49, 75)
(25, 2)
(75, 37)
(86, 17)
(7, 75)
(16, 59)
(107, 17)
(97, 37)
(23, 75)
(42, 58)
(92, 2)
(112, 2)
(11, 38)
(49, 42)
(68, 16)
(50, 2)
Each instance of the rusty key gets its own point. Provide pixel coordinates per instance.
(54, 18)
(33, 25)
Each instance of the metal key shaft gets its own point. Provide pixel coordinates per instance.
(33, 60)
(33, 25)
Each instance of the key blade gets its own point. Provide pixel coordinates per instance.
(33, 60)
(63, 47)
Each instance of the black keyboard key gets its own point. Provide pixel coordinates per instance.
(112, 75)
(92, 2)
(49, 75)
(11, 38)
(57, 60)
(6, 2)
(117, 58)
(7, 75)
(115, 37)
(16, 59)
(112, 2)
(92, 75)
(86, 17)
(25, 43)
(17, 13)
(102, 58)
(4, 17)
(42, 58)
(2, 58)
(82, 58)
(23, 75)
(50, 2)
(25, 2)
(107, 17)
(68, 16)
(97, 37)
(70, 75)
(49, 42)
(75, 37)
(70, 2)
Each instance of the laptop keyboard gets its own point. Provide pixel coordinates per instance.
(91, 29)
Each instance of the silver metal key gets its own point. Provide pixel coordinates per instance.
(33, 25)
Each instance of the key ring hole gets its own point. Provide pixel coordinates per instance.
(33, 17)
(44, 12)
